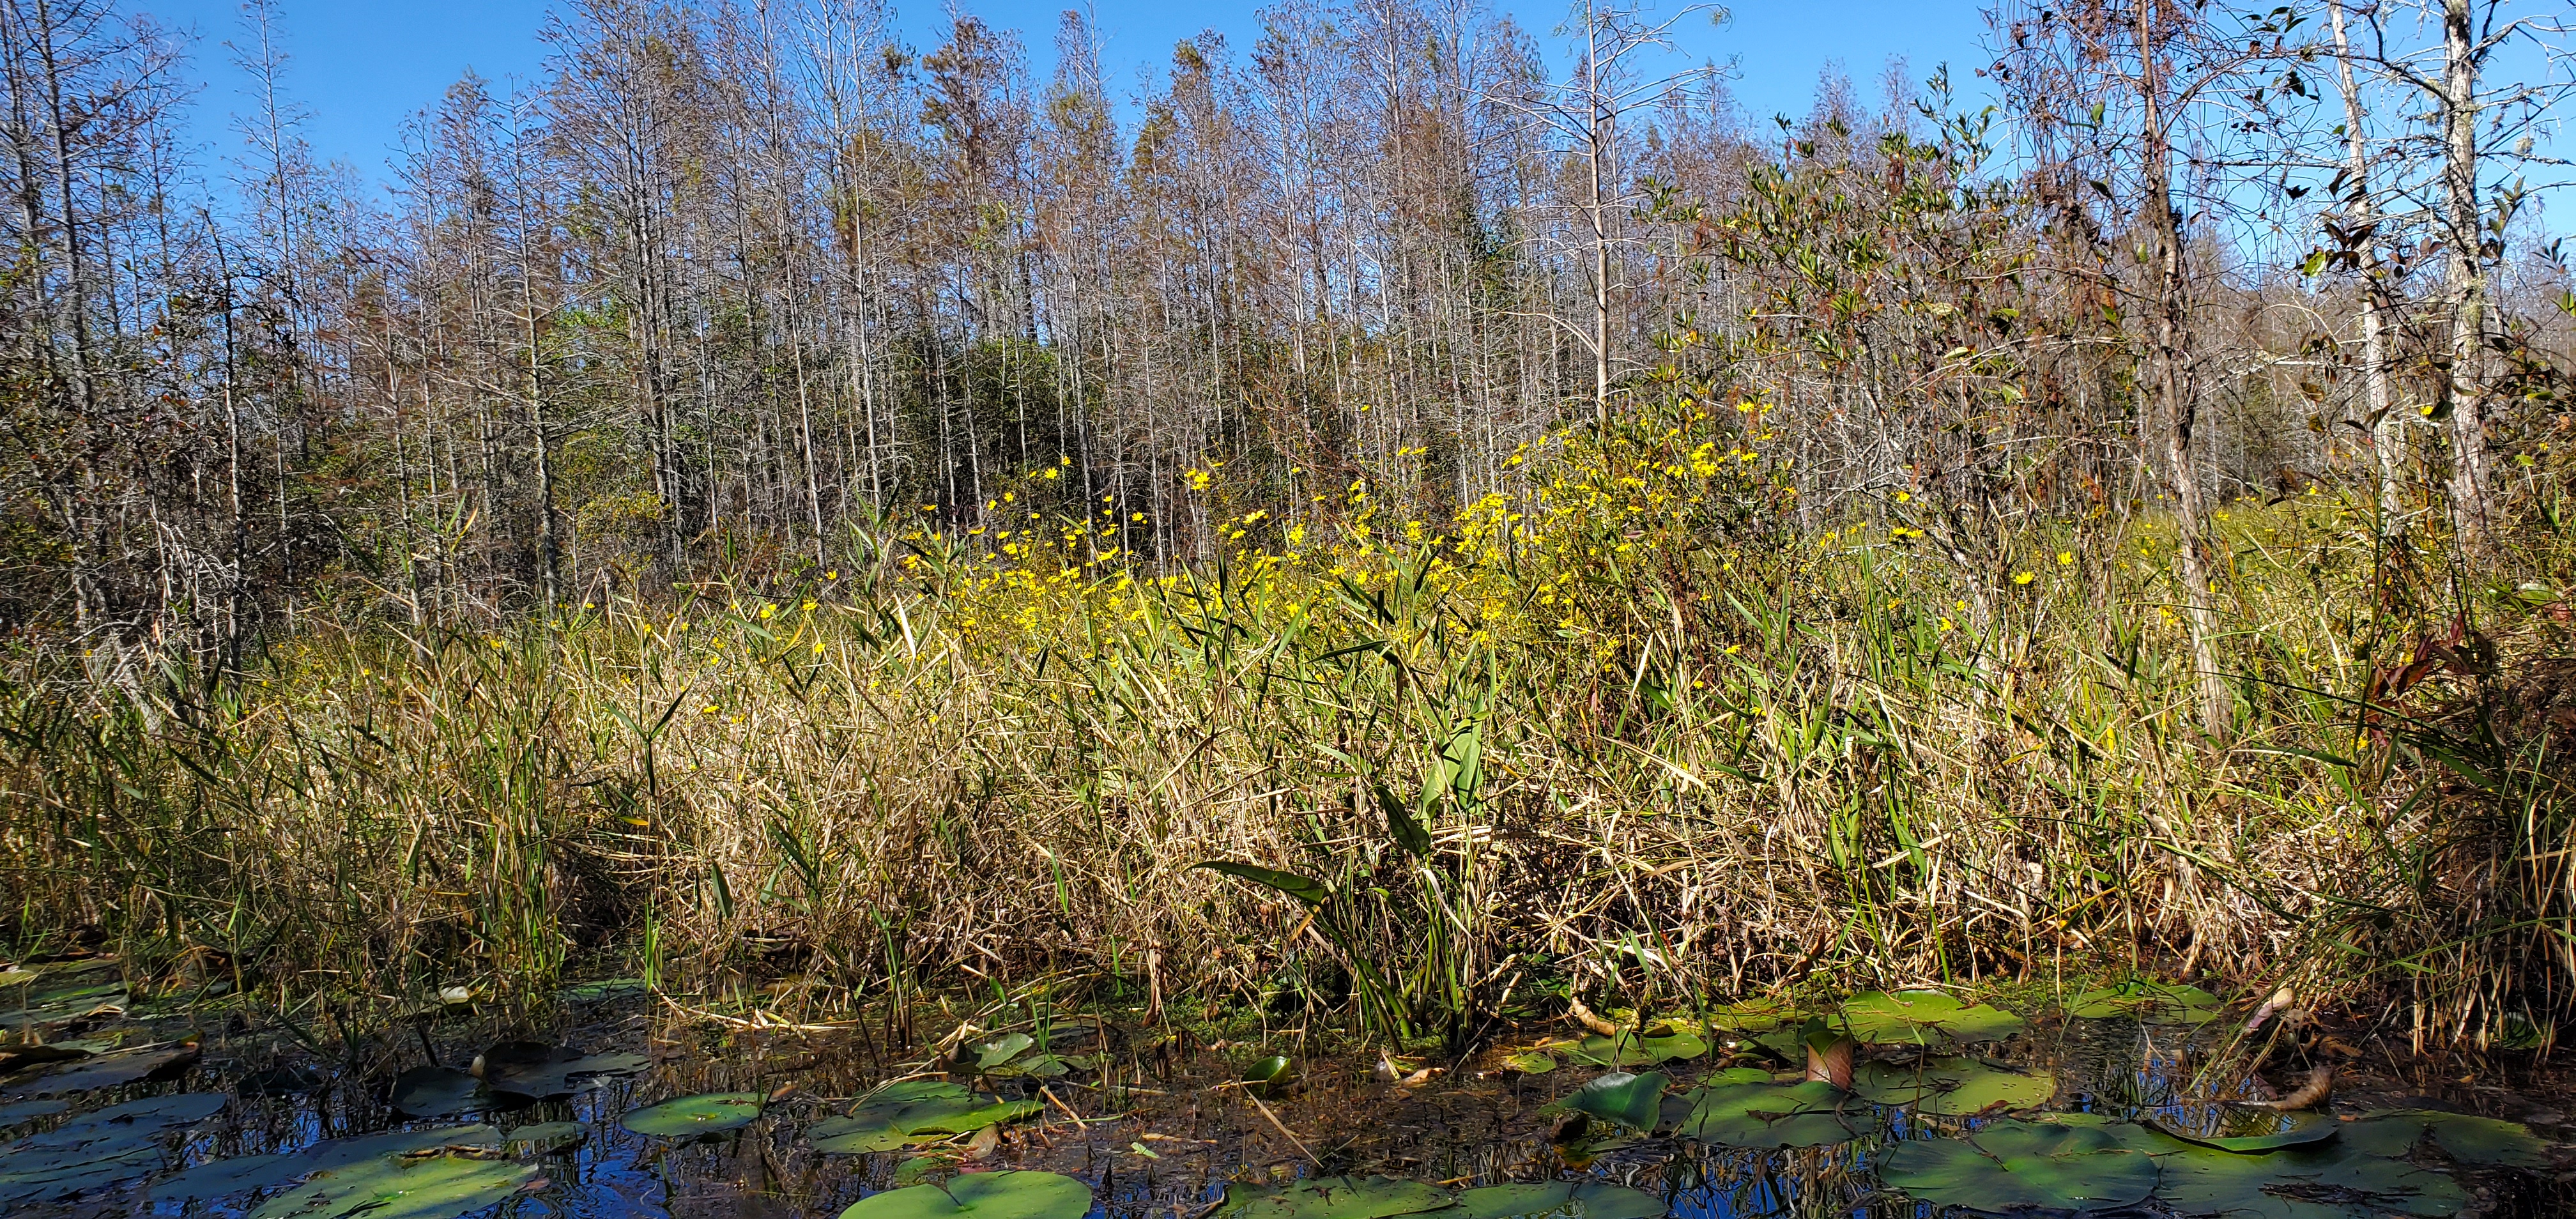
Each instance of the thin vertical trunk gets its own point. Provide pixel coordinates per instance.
(2387, 430)
(2470, 500)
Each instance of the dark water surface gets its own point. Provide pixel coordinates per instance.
(1162, 1129)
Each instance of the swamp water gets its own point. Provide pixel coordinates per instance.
(2114, 1105)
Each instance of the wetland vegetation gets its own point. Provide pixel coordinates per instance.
(798, 626)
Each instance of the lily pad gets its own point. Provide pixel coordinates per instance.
(2464, 1137)
(1758, 1015)
(97, 1149)
(684, 1117)
(435, 1092)
(986, 1195)
(603, 991)
(546, 1138)
(2148, 1001)
(994, 1053)
(108, 1071)
(1530, 1062)
(2017, 1165)
(1559, 1200)
(900, 1113)
(242, 1174)
(1955, 1087)
(543, 1072)
(393, 1187)
(1329, 1198)
(1810, 1114)
(1928, 1018)
(2242, 1130)
(1628, 1100)
(2303, 1183)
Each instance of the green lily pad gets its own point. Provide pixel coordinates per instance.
(2148, 1001)
(108, 1071)
(1331, 1198)
(603, 991)
(546, 1138)
(1953, 1087)
(1628, 1100)
(683, 1117)
(98, 1149)
(1810, 1114)
(986, 1195)
(994, 1053)
(242, 1174)
(543, 1072)
(1757, 1015)
(900, 1113)
(392, 1187)
(2017, 1165)
(2464, 1137)
(1925, 1018)
(1530, 1062)
(2248, 1130)
(1559, 1200)
(435, 1092)
(2303, 1183)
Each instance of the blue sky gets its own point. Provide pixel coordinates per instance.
(360, 66)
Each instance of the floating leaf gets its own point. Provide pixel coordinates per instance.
(994, 1053)
(2302, 1183)
(1628, 1100)
(1530, 1062)
(1752, 1015)
(108, 1071)
(2148, 1001)
(435, 1092)
(393, 1187)
(546, 1138)
(2464, 1137)
(242, 1174)
(684, 1117)
(2017, 1165)
(603, 991)
(1810, 1114)
(2247, 1130)
(99, 1148)
(1925, 1018)
(543, 1072)
(986, 1195)
(1330, 1198)
(1558, 1200)
(1956, 1087)
(901, 1112)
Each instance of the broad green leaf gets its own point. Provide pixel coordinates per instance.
(386, 1187)
(2011, 1165)
(1627, 1100)
(1557, 1200)
(1811, 1114)
(435, 1092)
(219, 1178)
(1304, 888)
(2247, 1130)
(2321, 1182)
(2464, 1137)
(2148, 1001)
(684, 1117)
(1530, 1062)
(1925, 1018)
(900, 1113)
(1331, 1198)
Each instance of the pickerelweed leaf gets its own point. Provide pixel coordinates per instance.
(221, 1178)
(1808, 1114)
(1557, 1200)
(2243, 1130)
(1927, 1018)
(985, 1195)
(2464, 1137)
(435, 1092)
(543, 1072)
(395, 1187)
(1304, 888)
(1633, 1101)
(683, 1117)
(2316, 1182)
(2148, 1001)
(2011, 1165)
(1332, 1198)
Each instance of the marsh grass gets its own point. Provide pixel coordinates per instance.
(1711, 753)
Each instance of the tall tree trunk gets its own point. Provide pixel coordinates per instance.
(2387, 428)
(2466, 270)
